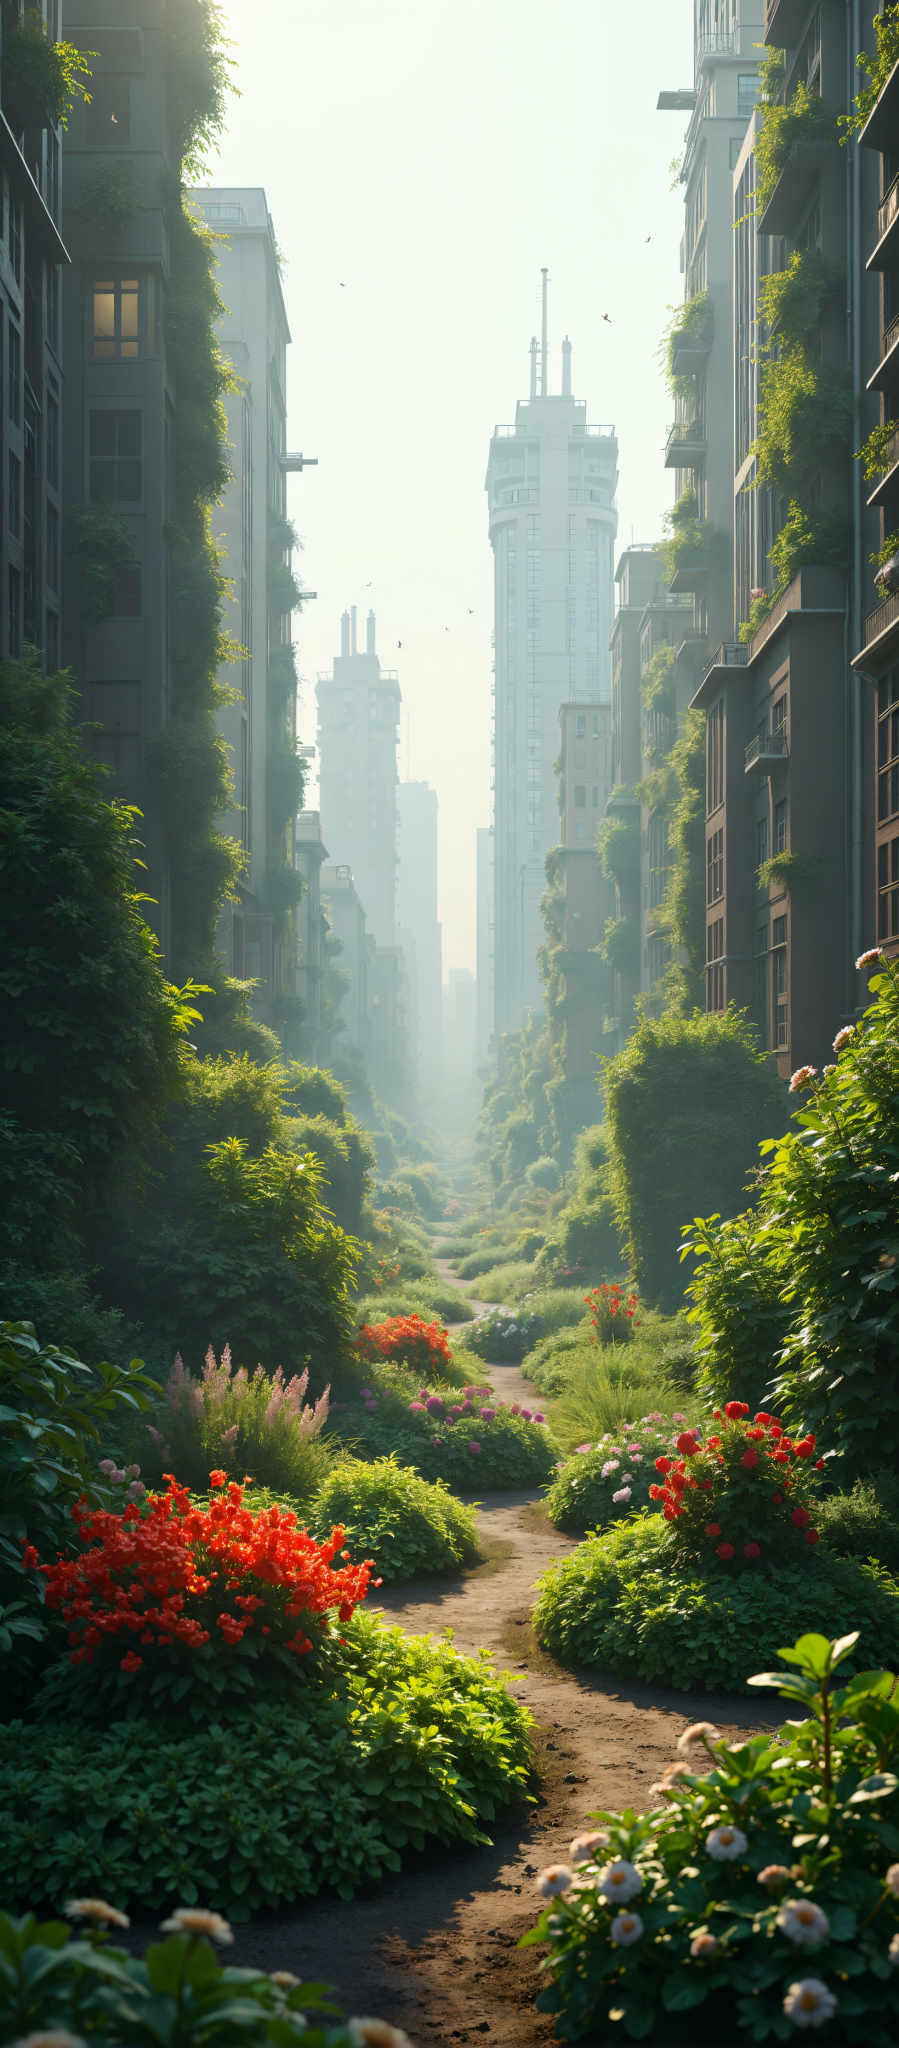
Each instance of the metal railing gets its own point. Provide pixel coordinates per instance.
(890, 338)
(766, 746)
(719, 43)
(882, 618)
(731, 654)
(685, 434)
(890, 457)
(888, 208)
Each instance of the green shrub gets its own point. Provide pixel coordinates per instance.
(688, 1100)
(255, 1425)
(824, 1241)
(865, 1521)
(390, 1514)
(623, 1604)
(736, 1927)
(505, 1336)
(609, 1480)
(53, 1977)
(63, 1306)
(485, 1260)
(506, 1282)
(584, 1238)
(428, 1298)
(464, 1436)
(347, 1156)
(549, 1361)
(414, 1744)
(605, 1387)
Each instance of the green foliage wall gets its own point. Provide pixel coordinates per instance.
(688, 1101)
(90, 1033)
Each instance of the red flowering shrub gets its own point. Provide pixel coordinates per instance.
(181, 1592)
(613, 1310)
(406, 1340)
(743, 1494)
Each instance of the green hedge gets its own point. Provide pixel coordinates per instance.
(405, 1523)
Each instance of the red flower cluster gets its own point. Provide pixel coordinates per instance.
(607, 1303)
(168, 1574)
(406, 1340)
(742, 1491)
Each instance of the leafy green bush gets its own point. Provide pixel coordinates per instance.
(428, 1298)
(244, 1423)
(783, 128)
(609, 1480)
(64, 1307)
(735, 1927)
(825, 1240)
(865, 1521)
(584, 1238)
(347, 1156)
(507, 1281)
(549, 1361)
(484, 1260)
(414, 1744)
(52, 1978)
(621, 1603)
(688, 1100)
(464, 1436)
(407, 1524)
(505, 1336)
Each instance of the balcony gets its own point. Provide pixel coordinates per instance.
(690, 350)
(887, 486)
(766, 752)
(685, 447)
(784, 22)
(881, 648)
(886, 375)
(879, 131)
(799, 176)
(731, 654)
(719, 43)
(883, 255)
(691, 573)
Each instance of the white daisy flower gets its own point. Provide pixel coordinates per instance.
(726, 1843)
(809, 2003)
(625, 1929)
(619, 1881)
(803, 1922)
(556, 1878)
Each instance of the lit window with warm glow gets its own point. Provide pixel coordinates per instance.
(117, 319)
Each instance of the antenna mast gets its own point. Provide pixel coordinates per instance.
(544, 351)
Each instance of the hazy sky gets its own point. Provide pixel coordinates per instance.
(422, 159)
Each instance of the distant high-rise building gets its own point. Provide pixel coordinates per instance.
(259, 723)
(418, 925)
(551, 482)
(358, 718)
(31, 255)
(310, 854)
(486, 910)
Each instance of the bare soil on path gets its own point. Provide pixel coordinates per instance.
(434, 1950)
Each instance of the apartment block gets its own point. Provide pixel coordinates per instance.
(486, 908)
(877, 660)
(358, 719)
(582, 896)
(551, 481)
(310, 854)
(789, 839)
(346, 920)
(419, 927)
(258, 724)
(32, 257)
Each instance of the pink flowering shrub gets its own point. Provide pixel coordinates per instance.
(612, 1478)
(252, 1425)
(462, 1435)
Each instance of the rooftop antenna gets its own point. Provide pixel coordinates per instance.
(545, 330)
(533, 366)
(566, 368)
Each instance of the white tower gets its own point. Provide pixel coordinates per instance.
(551, 482)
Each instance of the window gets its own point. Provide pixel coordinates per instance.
(715, 866)
(715, 757)
(15, 496)
(580, 797)
(53, 306)
(14, 359)
(761, 841)
(15, 237)
(594, 797)
(761, 983)
(580, 726)
(888, 748)
(779, 981)
(117, 319)
(580, 830)
(52, 547)
(127, 592)
(779, 712)
(14, 587)
(888, 889)
(715, 965)
(747, 92)
(115, 458)
(108, 114)
(51, 433)
(780, 826)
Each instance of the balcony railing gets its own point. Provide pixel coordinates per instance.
(765, 751)
(888, 208)
(881, 621)
(887, 485)
(686, 444)
(890, 338)
(731, 654)
(720, 43)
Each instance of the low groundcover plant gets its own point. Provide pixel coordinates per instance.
(761, 1898)
(64, 1986)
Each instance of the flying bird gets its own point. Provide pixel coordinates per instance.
(399, 643)
(608, 316)
(649, 238)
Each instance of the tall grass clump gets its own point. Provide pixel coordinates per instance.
(243, 1423)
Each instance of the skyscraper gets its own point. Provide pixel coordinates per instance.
(358, 717)
(419, 928)
(551, 490)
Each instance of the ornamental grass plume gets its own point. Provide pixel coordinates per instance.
(259, 1423)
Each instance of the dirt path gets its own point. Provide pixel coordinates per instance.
(435, 1949)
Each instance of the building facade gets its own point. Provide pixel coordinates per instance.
(419, 927)
(32, 256)
(485, 888)
(358, 721)
(258, 724)
(310, 854)
(551, 481)
(789, 840)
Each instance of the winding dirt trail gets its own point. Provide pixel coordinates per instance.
(435, 1948)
